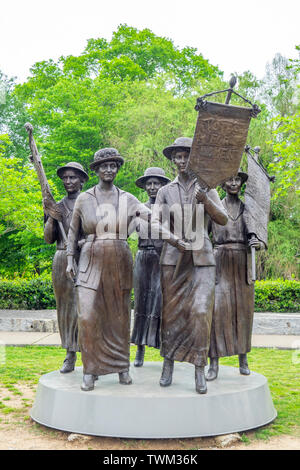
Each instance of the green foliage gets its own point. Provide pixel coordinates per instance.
(20, 197)
(277, 296)
(286, 165)
(283, 251)
(37, 293)
(23, 254)
(29, 294)
(137, 93)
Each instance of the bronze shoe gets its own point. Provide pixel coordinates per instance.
(87, 382)
(124, 378)
(244, 369)
(213, 370)
(139, 357)
(167, 373)
(200, 381)
(69, 363)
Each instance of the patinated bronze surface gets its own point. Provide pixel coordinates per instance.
(234, 294)
(218, 143)
(104, 277)
(147, 288)
(257, 200)
(73, 177)
(188, 300)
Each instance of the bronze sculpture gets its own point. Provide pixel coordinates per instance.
(234, 294)
(104, 277)
(188, 299)
(73, 177)
(147, 289)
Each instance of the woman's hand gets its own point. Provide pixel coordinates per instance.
(71, 269)
(254, 242)
(183, 246)
(52, 210)
(200, 193)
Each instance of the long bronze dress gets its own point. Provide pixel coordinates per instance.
(234, 294)
(147, 292)
(188, 301)
(104, 281)
(64, 289)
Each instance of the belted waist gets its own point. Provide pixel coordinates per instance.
(231, 246)
(114, 236)
(145, 248)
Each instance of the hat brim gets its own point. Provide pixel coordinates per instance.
(168, 150)
(141, 181)
(95, 164)
(243, 176)
(61, 170)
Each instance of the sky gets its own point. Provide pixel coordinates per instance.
(236, 35)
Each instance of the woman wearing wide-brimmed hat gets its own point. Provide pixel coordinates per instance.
(234, 293)
(106, 215)
(73, 177)
(189, 298)
(147, 289)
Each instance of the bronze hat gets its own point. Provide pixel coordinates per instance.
(241, 174)
(180, 143)
(153, 172)
(72, 166)
(105, 155)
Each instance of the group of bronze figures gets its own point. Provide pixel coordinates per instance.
(205, 311)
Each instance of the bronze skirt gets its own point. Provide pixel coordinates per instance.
(104, 312)
(187, 312)
(147, 299)
(66, 306)
(234, 303)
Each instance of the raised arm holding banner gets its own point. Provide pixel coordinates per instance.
(218, 144)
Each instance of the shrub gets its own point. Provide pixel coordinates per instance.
(27, 294)
(277, 296)
(37, 293)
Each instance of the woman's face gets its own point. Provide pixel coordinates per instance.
(180, 159)
(233, 185)
(152, 186)
(71, 181)
(107, 171)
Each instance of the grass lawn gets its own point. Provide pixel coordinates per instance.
(22, 366)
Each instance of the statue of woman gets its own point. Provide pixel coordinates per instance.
(189, 298)
(147, 289)
(103, 281)
(73, 177)
(234, 293)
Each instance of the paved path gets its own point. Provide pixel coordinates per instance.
(17, 338)
(45, 321)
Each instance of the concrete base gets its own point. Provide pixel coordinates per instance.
(145, 410)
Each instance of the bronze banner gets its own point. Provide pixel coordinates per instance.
(257, 201)
(218, 143)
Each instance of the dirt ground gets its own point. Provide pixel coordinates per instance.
(19, 432)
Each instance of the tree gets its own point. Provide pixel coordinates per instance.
(20, 195)
(279, 86)
(22, 247)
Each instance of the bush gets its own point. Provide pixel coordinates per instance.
(277, 296)
(37, 293)
(27, 294)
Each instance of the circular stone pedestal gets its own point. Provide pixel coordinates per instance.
(233, 403)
